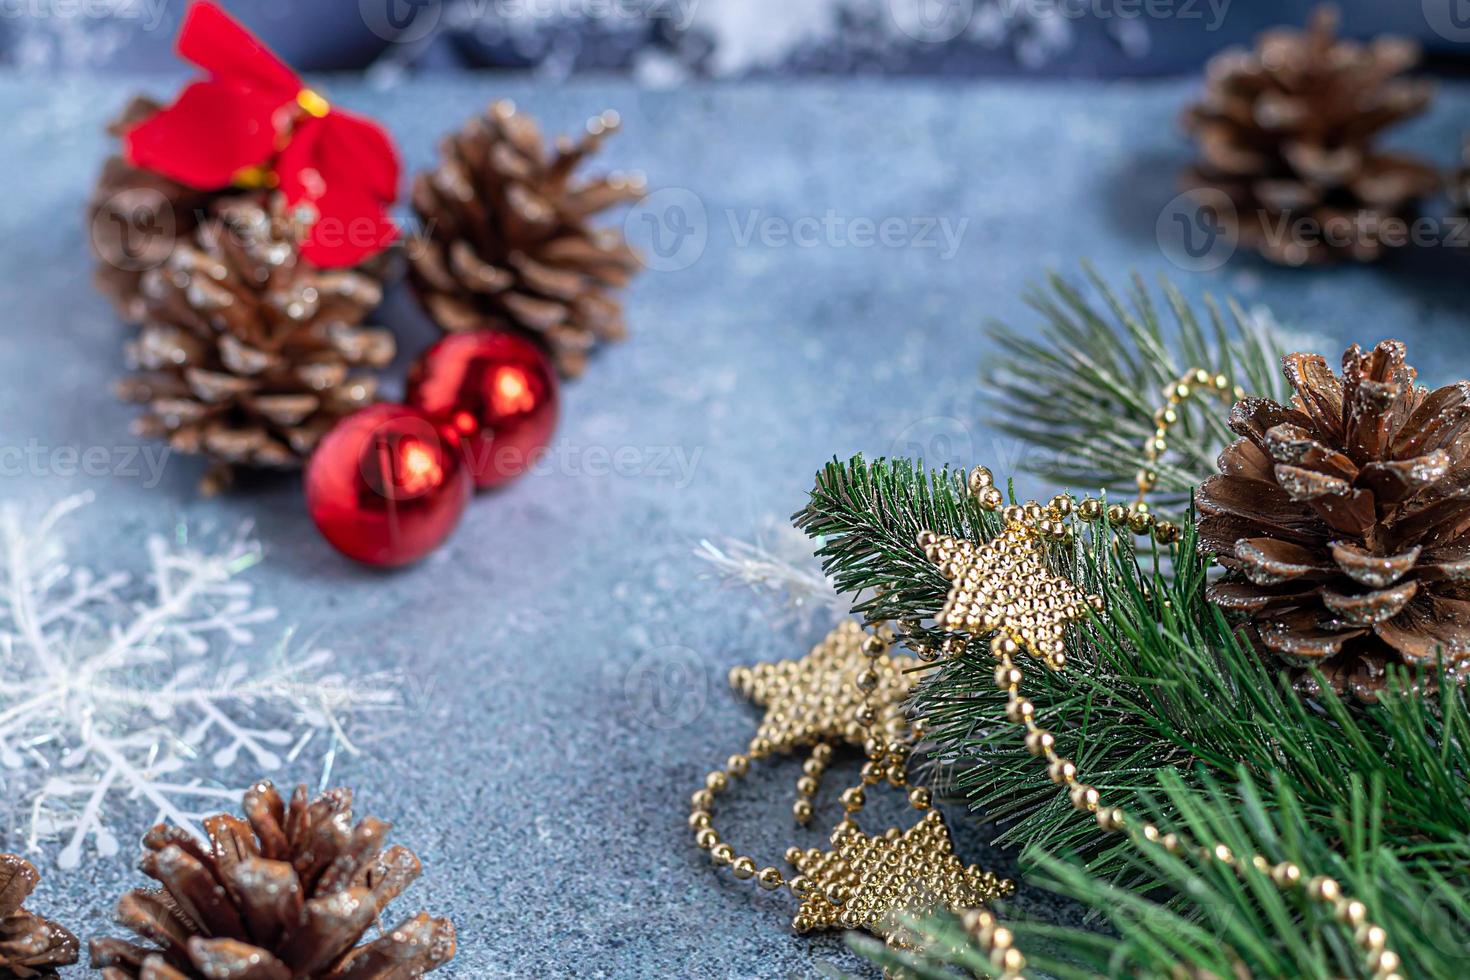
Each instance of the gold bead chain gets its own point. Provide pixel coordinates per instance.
(1189, 384)
(996, 588)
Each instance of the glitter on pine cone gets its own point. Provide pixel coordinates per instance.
(30, 946)
(506, 242)
(285, 894)
(1344, 520)
(1285, 135)
(248, 354)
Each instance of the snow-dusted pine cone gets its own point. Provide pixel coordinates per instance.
(30, 946)
(506, 241)
(1286, 133)
(286, 894)
(1344, 520)
(248, 354)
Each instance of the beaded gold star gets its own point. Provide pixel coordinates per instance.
(868, 882)
(1004, 584)
(813, 700)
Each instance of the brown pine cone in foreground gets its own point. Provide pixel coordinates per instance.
(285, 894)
(248, 354)
(505, 243)
(1285, 132)
(1344, 520)
(30, 946)
(136, 216)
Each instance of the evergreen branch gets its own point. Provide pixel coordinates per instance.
(1215, 922)
(1159, 693)
(1085, 384)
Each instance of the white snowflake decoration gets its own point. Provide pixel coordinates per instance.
(778, 564)
(114, 691)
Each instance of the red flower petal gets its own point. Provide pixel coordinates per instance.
(212, 131)
(345, 169)
(216, 42)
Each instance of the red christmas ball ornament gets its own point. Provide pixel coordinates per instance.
(497, 391)
(386, 486)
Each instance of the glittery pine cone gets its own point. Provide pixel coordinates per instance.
(30, 946)
(506, 241)
(1285, 132)
(1343, 520)
(136, 216)
(248, 354)
(286, 894)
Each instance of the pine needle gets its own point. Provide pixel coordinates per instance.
(1085, 383)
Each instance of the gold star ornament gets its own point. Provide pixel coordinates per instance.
(871, 883)
(814, 700)
(1004, 585)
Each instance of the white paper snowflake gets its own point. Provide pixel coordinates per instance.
(116, 690)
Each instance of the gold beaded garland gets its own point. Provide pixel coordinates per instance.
(1010, 570)
(1193, 382)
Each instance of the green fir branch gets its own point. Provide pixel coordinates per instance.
(1166, 712)
(1214, 922)
(1085, 383)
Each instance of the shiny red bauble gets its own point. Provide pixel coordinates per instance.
(497, 391)
(386, 486)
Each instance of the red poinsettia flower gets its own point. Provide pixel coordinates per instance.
(253, 118)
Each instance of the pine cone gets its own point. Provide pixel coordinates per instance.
(285, 894)
(1460, 186)
(30, 946)
(1285, 132)
(135, 217)
(506, 242)
(1342, 520)
(247, 353)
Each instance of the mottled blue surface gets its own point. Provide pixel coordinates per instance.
(574, 654)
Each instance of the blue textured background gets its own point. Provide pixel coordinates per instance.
(575, 654)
